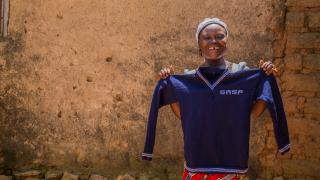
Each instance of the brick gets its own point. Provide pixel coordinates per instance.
(287, 93)
(293, 62)
(125, 177)
(312, 61)
(298, 115)
(290, 104)
(270, 142)
(268, 160)
(304, 3)
(298, 148)
(300, 102)
(312, 116)
(303, 126)
(295, 20)
(305, 94)
(312, 105)
(278, 48)
(3, 177)
(303, 40)
(312, 151)
(314, 19)
(53, 175)
(27, 174)
(97, 177)
(69, 176)
(301, 82)
(300, 167)
(278, 178)
(311, 144)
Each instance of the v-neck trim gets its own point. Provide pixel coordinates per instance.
(213, 85)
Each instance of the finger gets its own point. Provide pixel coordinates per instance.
(275, 71)
(160, 76)
(167, 71)
(261, 62)
(268, 61)
(267, 65)
(269, 71)
(264, 64)
(162, 72)
(171, 69)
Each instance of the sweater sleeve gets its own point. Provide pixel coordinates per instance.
(268, 91)
(162, 95)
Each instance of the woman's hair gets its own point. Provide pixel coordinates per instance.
(208, 21)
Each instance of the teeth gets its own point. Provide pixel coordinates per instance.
(214, 48)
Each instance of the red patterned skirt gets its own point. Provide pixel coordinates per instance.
(202, 176)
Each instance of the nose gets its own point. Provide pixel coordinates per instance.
(212, 41)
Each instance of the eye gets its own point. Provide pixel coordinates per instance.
(219, 37)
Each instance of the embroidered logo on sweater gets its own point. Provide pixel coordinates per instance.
(231, 91)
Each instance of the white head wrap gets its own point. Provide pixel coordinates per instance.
(208, 21)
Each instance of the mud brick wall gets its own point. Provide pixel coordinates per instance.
(76, 78)
(297, 52)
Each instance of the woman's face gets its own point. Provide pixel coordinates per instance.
(212, 42)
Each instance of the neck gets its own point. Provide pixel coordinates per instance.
(219, 63)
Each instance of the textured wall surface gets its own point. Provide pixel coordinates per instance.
(77, 77)
(299, 57)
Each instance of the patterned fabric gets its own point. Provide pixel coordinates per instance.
(202, 176)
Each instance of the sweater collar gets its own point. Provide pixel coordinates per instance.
(212, 70)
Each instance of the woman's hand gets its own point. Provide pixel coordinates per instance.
(268, 67)
(166, 72)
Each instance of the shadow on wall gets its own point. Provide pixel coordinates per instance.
(17, 127)
(17, 124)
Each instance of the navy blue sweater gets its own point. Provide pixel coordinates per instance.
(215, 107)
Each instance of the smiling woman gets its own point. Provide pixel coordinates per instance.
(212, 35)
(215, 103)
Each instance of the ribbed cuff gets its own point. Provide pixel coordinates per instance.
(285, 149)
(146, 156)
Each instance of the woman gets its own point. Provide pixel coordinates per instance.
(215, 102)
(214, 36)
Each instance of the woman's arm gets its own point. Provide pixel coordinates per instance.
(164, 73)
(257, 109)
(176, 109)
(259, 106)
